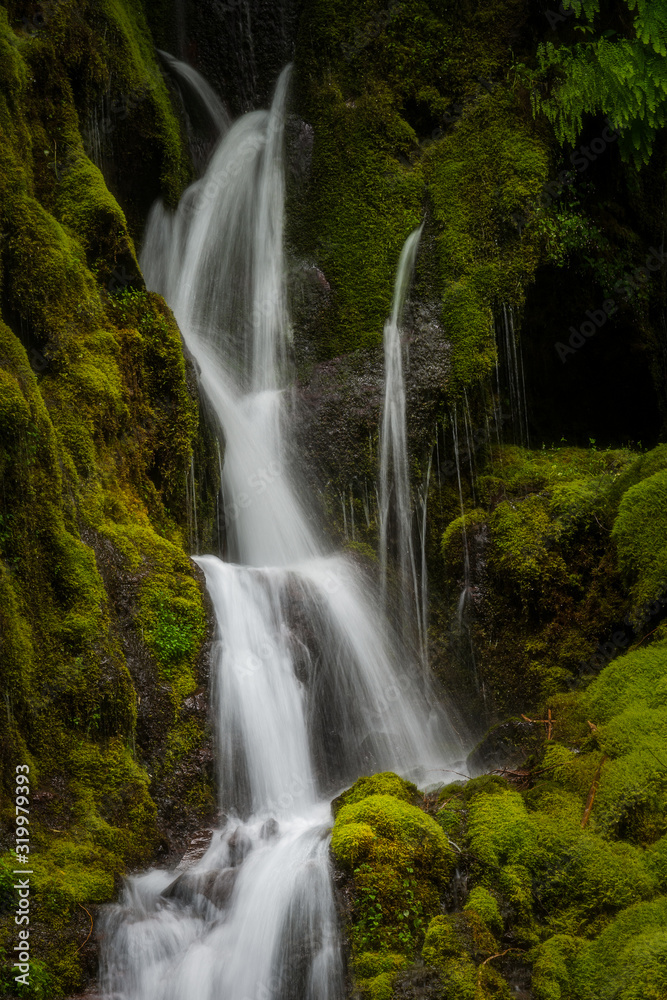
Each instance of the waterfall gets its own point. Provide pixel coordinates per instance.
(200, 89)
(395, 503)
(205, 115)
(308, 687)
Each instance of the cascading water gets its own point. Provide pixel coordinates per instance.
(395, 504)
(202, 91)
(309, 692)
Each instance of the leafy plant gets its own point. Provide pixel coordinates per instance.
(623, 78)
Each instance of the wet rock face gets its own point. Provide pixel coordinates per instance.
(240, 46)
(505, 746)
(340, 401)
(216, 886)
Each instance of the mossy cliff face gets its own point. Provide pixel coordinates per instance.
(102, 616)
(402, 129)
(567, 566)
(554, 885)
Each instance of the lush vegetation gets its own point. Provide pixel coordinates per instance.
(101, 619)
(486, 121)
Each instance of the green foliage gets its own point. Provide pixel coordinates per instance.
(624, 79)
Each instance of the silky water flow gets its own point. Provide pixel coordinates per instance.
(310, 689)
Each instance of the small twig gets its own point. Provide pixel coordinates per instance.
(490, 959)
(592, 793)
(656, 757)
(448, 770)
(645, 637)
(548, 722)
(498, 955)
(89, 932)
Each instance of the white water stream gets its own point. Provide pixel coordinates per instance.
(309, 692)
(395, 501)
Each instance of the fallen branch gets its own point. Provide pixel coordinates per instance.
(89, 932)
(592, 793)
(490, 959)
(548, 722)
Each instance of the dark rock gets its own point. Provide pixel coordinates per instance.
(219, 886)
(505, 745)
(186, 886)
(239, 845)
(270, 829)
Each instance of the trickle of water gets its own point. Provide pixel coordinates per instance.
(202, 91)
(395, 502)
(466, 590)
(309, 688)
(510, 378)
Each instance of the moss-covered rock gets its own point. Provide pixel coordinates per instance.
(102, 613)
(397, 859)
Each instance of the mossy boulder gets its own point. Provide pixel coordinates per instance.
(397, 859)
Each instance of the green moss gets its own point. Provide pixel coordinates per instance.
(385, 783)
(485, 905)
(552, 975)
(365, 205)
(95, 444)
(452, 544)
(478, 176)
(452, 945)
(628, 958)
(86, 207)
(441, 942)
(577, 872)
(405, 861)
(539, 549)
(640, 531)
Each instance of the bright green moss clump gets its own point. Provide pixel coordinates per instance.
(640, 532)
(399, 860)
